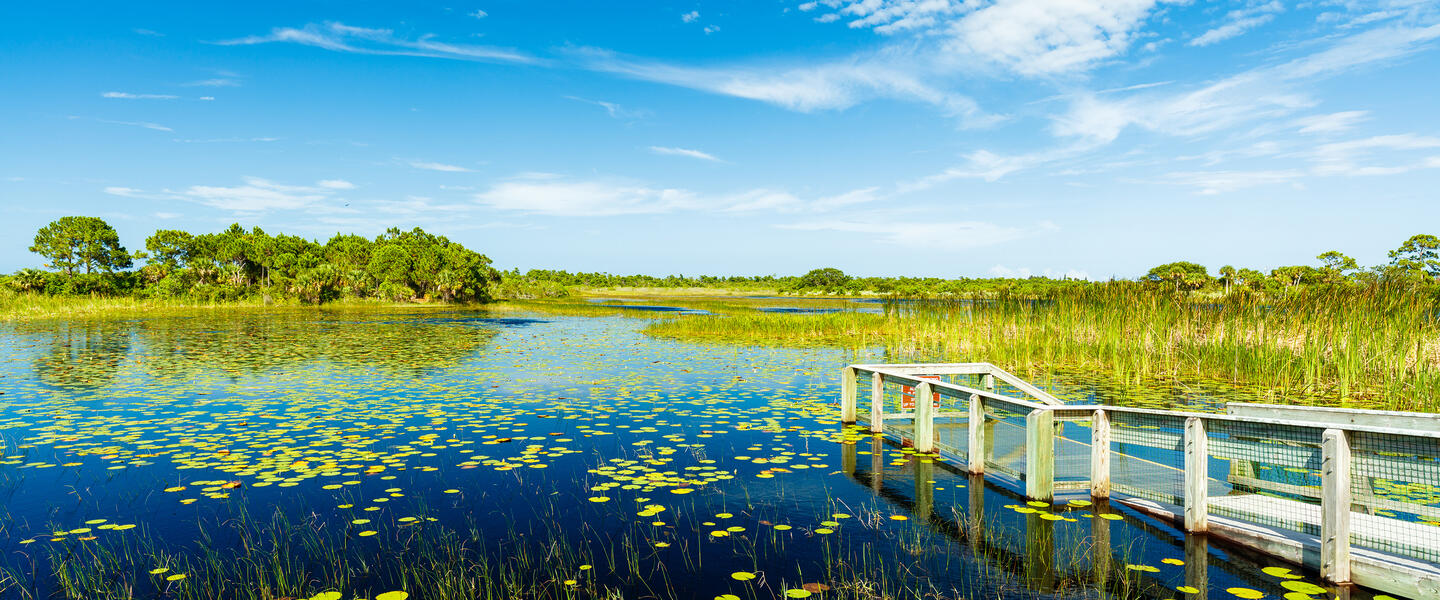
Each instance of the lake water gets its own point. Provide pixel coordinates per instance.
(465, 454)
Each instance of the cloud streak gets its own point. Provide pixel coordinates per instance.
(686, 152)
(339, 37)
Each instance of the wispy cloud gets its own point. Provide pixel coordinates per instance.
(214, 82)
(144, 124)
(1331, 123)
(1345, 158)
(662, 150)
(547, 196)
(254, 195)
(478, 14)
(691, 16)
(615, 111)
(149, 32)
(1239, 21)
(130, 96)
(1209, 183)
(804, 87)
(340, 37)
(436, 166)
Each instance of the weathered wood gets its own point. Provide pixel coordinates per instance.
(1100, 455)
(988, 382)
(1197, 480)
(877, 403)
(1385, 419)
(1040, 455)
(847, 395)
(1020, 384)
(975, 446)
(1335, 507)
(924, 418)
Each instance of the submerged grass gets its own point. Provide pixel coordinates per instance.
(1373, 347)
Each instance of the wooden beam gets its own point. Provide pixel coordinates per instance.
(1197, 462)
(1040, 455)
(975, 447)
(1387, 419)
(1100, 455)
(1335, 507)
(877, 403)
(847, 395)
(924, 418)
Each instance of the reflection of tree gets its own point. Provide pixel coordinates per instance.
(80, 353)
(253, 343)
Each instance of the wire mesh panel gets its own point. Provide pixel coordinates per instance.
(1395, 492)
(1072, 452)
(952, 424)
(1265, 473)
(1005, 437)
(898, 414)
(1147, 456)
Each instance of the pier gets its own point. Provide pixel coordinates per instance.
(1353, 494)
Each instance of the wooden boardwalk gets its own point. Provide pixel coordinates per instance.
(1330, 489)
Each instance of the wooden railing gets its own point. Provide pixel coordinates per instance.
(1317, 441)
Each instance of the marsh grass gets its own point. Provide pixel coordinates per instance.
(1371, 347)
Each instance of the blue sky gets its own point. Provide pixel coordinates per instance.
(884, 137)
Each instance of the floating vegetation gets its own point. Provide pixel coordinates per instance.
(342, 455)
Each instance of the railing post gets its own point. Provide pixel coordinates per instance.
(877, 403)
(988, 381)
(1040, 455)
(1100, 455)
(1197, 460)
(1335, 506)
(975, 448)
(847, 395)
(924, 418)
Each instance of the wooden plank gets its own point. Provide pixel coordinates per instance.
(1386, 419)
(847, 395)
(976, 443)
(1040, 455)
(1197, 492)
(1100, 455)
(924, 418)
(1030, 390)
(877, 403)
(1335, 508)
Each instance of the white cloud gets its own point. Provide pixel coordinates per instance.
(1209, 183)
(149, 32)
(1238, 22)
(691, 16)
(340, 37)
(435, 166)
(614, 110)
(583, 198)
(1030, 37)
(930, 235)
(256, 195)
(479, 14)
(1331, 123)
(827, 86)
(709, 29)
(1343, 158)
(129, 96)
(168, 215)
(215, 82)
(145, 124)
(662, 150)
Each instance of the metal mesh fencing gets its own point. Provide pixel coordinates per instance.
(1265, 473)
(952, 424)
(1072, 452)
(1147, 456)
(1395, 494)
(1005, 437)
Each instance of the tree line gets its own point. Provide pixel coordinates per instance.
(85, 257)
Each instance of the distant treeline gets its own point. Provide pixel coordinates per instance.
(1414, 263)
(84, 257)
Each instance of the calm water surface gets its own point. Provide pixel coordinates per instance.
(460, 454)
